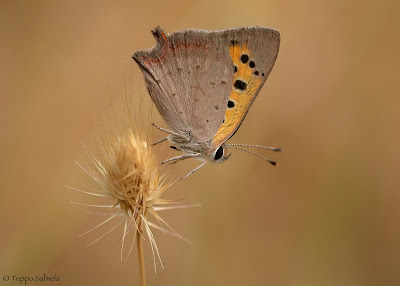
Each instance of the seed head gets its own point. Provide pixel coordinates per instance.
(126, 170)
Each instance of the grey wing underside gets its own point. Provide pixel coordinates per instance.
(189, 78)
(189, 74)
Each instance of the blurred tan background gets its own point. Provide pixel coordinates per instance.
(327, 215)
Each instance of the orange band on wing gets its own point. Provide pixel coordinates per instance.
(246, 81)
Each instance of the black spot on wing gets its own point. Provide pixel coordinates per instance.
(252, 64)
(244, 58)
(231, 104)
(241, 85)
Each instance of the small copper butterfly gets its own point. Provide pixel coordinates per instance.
(203, 83)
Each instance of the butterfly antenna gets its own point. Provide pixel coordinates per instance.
(255, 146)
(255, 154)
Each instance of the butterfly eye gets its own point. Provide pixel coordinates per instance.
(219, 153)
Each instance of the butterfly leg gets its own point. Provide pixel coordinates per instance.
(168, 131)
(181, 157)
(195, 169)
(159, 141)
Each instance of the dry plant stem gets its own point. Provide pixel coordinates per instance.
(141, 258)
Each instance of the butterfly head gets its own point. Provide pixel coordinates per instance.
(219, 155)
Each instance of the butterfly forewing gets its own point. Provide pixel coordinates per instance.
(253, 52)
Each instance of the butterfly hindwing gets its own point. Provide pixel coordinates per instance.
(189, 76)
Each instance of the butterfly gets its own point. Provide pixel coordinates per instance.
(203, 83)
